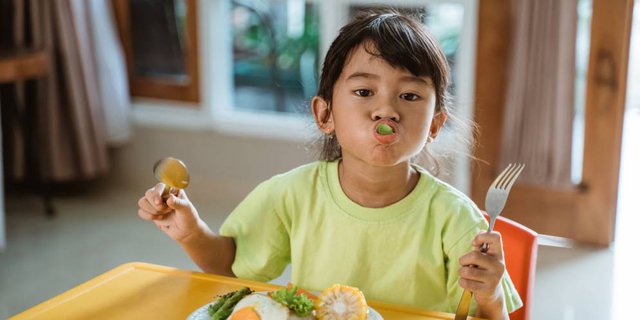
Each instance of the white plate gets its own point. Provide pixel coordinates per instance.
(201, 313)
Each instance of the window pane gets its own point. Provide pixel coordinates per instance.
(275, 54)
(158, 38)
(583, 36)
(276, 48)
(445, 21)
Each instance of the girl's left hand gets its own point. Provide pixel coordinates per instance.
(482, 272)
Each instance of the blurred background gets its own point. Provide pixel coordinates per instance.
(94, 92)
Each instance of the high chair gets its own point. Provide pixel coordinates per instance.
(520, 247)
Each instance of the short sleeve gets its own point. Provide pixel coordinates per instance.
(511, 296)
(470, 222)
(261, 238)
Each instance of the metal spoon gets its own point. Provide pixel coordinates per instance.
(173, 173)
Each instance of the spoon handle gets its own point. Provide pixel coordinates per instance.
(167, 190)
(165, 193)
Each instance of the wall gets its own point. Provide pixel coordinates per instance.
(222, 167)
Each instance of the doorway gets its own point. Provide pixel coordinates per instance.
(625, 280)
(584, 211)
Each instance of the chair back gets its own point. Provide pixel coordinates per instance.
(520, 247)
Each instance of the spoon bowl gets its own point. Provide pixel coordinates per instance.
(172, 172)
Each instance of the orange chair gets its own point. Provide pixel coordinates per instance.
(520, 247)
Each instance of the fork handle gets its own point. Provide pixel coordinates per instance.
(463, 305)
(485, 247)
(465, 300)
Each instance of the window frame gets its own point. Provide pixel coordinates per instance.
(157, 87)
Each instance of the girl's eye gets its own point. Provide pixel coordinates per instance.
(362, 92)
(409, 96)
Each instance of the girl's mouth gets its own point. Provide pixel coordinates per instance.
(386, 132)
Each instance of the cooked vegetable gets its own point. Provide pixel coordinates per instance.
(224, 306)
(303, 291)
(341, 302)
(384, 129)
(299, 303)
(211, 310)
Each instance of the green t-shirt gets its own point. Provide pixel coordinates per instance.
(406, 253)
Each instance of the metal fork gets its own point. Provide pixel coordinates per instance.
(494, 203)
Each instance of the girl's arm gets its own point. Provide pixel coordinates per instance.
(482, 274)
(179, 219)
(211, 252)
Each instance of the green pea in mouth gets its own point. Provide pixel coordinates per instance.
(384, 129)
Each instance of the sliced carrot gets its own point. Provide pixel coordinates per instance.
(302, 291)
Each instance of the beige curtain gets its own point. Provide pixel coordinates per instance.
(540, 94)
(80, 95)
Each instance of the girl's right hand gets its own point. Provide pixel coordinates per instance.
(177, 217)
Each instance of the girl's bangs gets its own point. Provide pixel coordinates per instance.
(400, 46)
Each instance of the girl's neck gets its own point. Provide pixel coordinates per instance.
(376, 187)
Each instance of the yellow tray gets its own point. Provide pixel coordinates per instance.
(146, 291)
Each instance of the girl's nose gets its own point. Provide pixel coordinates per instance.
(385, 111)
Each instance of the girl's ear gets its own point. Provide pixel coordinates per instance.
(322, 114)
(436, 124)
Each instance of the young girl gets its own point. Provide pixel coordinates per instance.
(364, 216)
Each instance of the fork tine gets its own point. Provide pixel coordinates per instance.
(508, 171)
(513, 176)
(505, 179)
(501, 176)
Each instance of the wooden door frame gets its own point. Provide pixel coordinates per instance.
(586, 212)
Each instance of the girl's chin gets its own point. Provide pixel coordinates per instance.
(385, 159)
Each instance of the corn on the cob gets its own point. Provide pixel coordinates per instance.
(340, 302)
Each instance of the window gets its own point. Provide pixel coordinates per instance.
(159, 40)
(278, 46)
(275, 54)
(261, 58)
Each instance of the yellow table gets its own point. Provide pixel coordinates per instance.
(146, 291)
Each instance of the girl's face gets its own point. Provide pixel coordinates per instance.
(370, 92)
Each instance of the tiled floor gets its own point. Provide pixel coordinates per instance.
(99, 230)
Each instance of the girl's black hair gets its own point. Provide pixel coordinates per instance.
(399, 40)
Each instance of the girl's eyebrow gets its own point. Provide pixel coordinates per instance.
(367, 75)
(364, 75)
